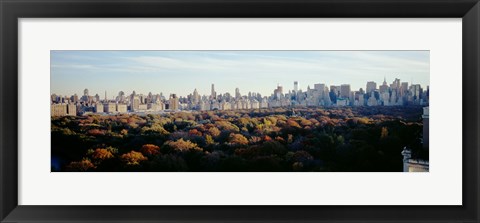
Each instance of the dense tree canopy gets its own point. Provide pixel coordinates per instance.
(314, 139)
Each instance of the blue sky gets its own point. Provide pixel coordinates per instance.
(181, 72)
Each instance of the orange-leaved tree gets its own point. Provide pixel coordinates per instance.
(102, 154)
(182, 145)
(238, 139)
(150, 149)
(83, 165)
(133, 158)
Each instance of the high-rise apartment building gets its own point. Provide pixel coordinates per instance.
(384, 87)
(98, 107)
(404, 88)
(371, 86)
(335, 90)
(237, 94)
(121, 108)
(278, 92)
(173, 102)
(196, 97)
(121, 97)
(213, 93)
(74, 98)
(85, 96)
(71, 109)
(58, 109)
(345, 90)
(109, 107)
(135, 103)
(395, 84)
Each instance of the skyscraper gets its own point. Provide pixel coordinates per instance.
(415, 92)
(319, 87)
(320, 90)
(384, 86)
(404, 88)
(345, 90)
(97, 97)
(278, 92)
(174, 102)
(121, 96)
(196, 97)
(237, 94)
(395, 84)
(135, 103)
(295, 86)
(371, 86)
(213, 94)
(74, 98)
(85, 96)
(149, 97)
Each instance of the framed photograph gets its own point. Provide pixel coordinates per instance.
(272, 128)
(239, 111)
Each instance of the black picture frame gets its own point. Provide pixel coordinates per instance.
(12, 10)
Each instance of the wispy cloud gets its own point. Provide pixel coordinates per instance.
(250, 70)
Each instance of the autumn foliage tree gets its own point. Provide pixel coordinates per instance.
(182, 145)
(133, 158)
(214, 131)
(96, 132)
(293, 123)
(102, 154)
(150, 149)
(238, 139)
(273, 139)
(83, 165)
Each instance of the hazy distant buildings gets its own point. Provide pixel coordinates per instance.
(395, 94)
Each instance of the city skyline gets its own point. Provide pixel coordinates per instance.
(180, 72)
(395, 94)
(113, 95)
